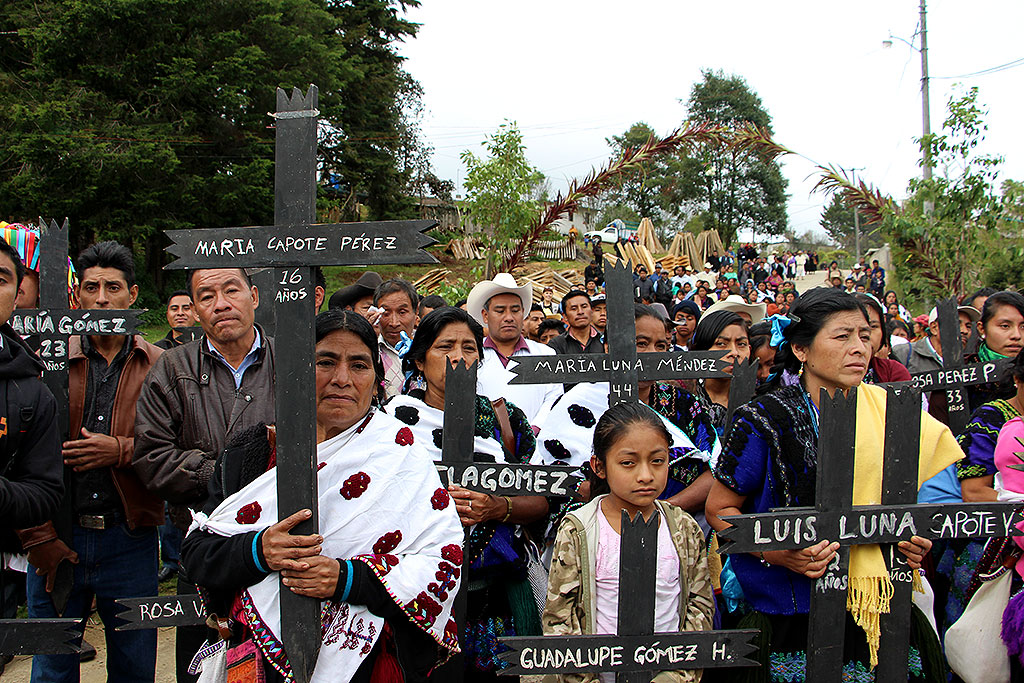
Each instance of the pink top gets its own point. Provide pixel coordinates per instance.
(1010, 451)
(666, 603)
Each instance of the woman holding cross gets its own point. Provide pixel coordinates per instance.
(500, 602)
(770, 461)
(387, 530)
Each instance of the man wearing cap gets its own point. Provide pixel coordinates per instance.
(685, 316)
(357, 297)
(599, 313)
(926, 353)
(547, 303)
(499, 305)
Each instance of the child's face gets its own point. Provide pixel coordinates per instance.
(636, 467)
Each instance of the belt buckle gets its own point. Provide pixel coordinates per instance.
(98, 522)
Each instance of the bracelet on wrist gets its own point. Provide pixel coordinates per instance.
(508, 508)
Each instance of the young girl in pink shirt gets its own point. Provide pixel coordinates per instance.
(630, 465)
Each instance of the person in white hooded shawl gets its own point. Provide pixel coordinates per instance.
(388, 559)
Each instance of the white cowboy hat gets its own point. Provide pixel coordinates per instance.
(503, 283)
(736, 304)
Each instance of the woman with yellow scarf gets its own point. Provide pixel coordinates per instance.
(770, 461)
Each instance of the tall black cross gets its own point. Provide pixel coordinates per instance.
(458, 467)
(834, 517)
(54, 323)
(636, 652)
(954, 376)
(622, 367)
(291, 247)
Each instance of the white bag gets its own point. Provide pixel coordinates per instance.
(536, 574)
(211, 663)
(974, 646)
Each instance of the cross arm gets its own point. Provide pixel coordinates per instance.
(600, 367)
(617, 653)
(867, 524)
(318, 244)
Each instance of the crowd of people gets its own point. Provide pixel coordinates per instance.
(169, 469)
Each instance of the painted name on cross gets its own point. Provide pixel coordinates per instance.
(170, 610)
(616, 653)
(942, 378)
(499, 478)
(301, 245)
(42, 322)
(790, 530)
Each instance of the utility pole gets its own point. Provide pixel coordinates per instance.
(925, 117)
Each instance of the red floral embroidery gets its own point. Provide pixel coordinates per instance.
(404, 437)
(440, 499)
(388, 542)
(423, 608)
(446, 580)
(451, 630)
(248, 514)
(452, 553)
(355, 485)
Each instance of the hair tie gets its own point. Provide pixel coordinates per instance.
(779, 325)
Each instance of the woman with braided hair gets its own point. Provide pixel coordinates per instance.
(770, 461)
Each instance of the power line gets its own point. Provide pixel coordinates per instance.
(985, 72)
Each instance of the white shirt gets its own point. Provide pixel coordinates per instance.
(492, 381)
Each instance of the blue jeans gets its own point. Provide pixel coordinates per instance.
(170, 543)
(112, 563)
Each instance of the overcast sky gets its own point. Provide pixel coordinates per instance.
(574, 72)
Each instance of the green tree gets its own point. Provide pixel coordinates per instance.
(739, 190)
(135, 116)
(837, 221)
(944, 234)
(502, 188)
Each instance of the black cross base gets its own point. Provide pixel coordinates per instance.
(40, 636)
(636, 652)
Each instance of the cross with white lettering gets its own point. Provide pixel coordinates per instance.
(622, 367)
(954, 377)
(292, 246)
(834, 517)
(53, 324)
(636, 652)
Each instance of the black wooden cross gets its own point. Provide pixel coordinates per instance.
(954, 376)
(622, 367)
(636, 652)
(457, 466)
(54, 323)
(834, 517)
(291, 247)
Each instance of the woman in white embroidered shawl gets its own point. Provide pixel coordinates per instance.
(388, 558)
(500, 602)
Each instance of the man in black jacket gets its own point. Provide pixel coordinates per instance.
(31, 472)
